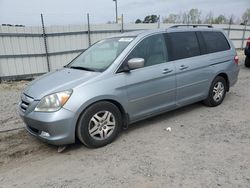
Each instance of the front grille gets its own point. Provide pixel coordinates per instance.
(25, 102)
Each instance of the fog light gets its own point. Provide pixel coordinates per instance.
(45, 134)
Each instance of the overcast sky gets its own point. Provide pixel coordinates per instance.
(58, 12)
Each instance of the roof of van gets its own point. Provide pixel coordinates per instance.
(167, 30)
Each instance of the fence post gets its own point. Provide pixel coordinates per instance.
(159, 22)
(243, 35)
(45, 43)
(229, 27)
(122, 30)
(89, 29)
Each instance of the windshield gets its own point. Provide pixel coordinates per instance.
(101, 55)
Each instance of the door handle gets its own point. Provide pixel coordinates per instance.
(183, 67)
(166, 71)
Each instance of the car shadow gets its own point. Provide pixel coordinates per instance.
(164, 116)
(142, 124)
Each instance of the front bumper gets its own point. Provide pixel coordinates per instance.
(57, 128)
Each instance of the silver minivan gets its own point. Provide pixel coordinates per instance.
(127, 78)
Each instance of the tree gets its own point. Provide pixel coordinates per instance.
(220, 19)
(237, 21)
(231, 19)
(194, 15)
(138, 21)
(151, 19)
(172, 18)
(209, 19)
(110, 22)
(184, 18)
(246, 16)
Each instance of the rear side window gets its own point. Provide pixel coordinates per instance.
(183, 45)
(215, 41)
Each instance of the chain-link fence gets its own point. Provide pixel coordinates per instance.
(26, 51)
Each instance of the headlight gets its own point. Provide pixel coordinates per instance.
(53, 102)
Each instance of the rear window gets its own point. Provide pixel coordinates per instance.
(183, 45)
(215, 41)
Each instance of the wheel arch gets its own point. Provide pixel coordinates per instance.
(225, 76)
(124, 114)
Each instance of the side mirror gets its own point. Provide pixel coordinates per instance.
(135, 63)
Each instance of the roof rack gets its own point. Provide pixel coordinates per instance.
(192, 25)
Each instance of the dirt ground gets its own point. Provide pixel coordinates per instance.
(207, 147)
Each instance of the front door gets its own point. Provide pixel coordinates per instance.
(151, 89)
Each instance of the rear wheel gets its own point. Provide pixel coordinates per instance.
(99, 124)
(217, 92)
(247, 61)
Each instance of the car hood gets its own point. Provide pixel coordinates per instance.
(56, 81)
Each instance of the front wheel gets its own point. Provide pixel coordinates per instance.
(217, 92)
(99, 124)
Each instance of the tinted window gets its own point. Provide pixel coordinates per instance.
(152, 49)
(183, 45)
(215, 41)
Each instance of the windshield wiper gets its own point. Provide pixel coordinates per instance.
(81, 68)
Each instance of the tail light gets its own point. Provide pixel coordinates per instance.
(236, 59)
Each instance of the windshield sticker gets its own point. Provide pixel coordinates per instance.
(125, 39)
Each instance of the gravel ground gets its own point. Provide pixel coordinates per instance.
(9, 97)
(207, 147)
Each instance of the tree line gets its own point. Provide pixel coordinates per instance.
(194, 16)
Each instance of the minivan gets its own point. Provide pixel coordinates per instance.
(127, 78)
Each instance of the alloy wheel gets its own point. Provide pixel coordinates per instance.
(218, 91)
(101, 125)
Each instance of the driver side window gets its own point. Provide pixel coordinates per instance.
(152, 49)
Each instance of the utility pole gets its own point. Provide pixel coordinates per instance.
(116, 13)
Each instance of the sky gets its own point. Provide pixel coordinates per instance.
(64, 12)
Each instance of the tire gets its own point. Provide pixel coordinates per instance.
(217, 92)
(247, 61)
(99, 124)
